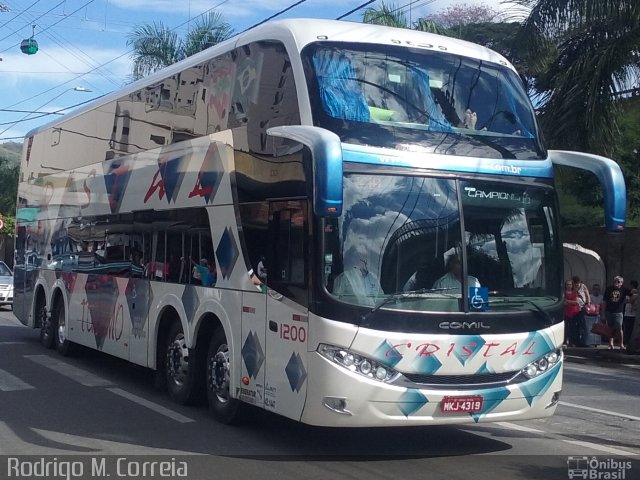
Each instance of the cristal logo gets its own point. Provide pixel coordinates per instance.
(462, 325)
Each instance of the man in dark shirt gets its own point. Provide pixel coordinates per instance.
(614, 299)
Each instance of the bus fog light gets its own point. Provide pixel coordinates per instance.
(336, 404)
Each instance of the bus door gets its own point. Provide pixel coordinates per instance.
(287, 326)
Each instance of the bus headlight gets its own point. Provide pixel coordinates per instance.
(357, 363)
(543, 364)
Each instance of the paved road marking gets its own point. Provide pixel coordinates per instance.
(83, 377)
(602, 448)
(13, 343)
(522, 428)
(11, 383)
(151, 406)
(599, 410)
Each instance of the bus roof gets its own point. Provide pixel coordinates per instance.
(299, 33)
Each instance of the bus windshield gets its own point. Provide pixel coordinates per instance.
(408, 239)
(420, 100)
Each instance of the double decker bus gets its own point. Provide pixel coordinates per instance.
(393, 184)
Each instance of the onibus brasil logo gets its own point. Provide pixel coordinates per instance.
(590, 468)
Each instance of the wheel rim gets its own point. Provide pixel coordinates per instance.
(61, 331)
(178, 360)
(219, 374)
(45, 323)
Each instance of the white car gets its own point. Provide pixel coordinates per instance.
(6, 285)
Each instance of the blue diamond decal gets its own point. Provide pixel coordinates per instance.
(490, 401)
(137, 294)
(252, 354)
(116, 177)
(210, 174)
(190, 301)
(469, 347)
(387, 354)
(172, 167)
(296, 372)
(227, 253)
(427, 364)
(102, 293)
(484, 369)
(539, 385)
(533, 347)
(411, 401)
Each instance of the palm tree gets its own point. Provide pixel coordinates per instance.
(586, 51)
(392, 15)
(156, 46)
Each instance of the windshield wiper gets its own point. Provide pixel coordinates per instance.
(364, 319)
(542, 312)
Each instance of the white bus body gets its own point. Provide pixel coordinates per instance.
(341, 155)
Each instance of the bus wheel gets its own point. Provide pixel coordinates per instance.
(63, 345)
(223, 408)
(46, 327)
(180, 367)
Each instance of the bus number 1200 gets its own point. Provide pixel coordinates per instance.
(294, 333)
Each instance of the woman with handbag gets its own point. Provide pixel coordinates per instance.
(571, 309)
(584, 299)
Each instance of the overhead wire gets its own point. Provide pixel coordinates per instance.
(15, 32)
(23, 11)
(95, 68)
(175, 28)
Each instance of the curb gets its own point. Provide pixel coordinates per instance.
(600, 354)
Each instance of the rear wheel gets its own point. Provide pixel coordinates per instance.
(223, 408)
(46, 326)
(180, 367)
(62, 343)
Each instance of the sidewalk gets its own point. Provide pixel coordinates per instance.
(600, 354)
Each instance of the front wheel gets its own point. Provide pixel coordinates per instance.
(223, 408)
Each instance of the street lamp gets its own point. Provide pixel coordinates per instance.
(72, 89)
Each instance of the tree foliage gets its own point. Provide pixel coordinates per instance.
(8, 186)
(156, 46)
(462, 14)
(584, 52)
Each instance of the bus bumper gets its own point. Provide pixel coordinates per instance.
(341, 398)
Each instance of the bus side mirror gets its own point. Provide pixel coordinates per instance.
(326, 158)
(610, 177)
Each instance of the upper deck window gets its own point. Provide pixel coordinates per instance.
(420, 100)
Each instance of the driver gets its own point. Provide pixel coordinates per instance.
(452, 280)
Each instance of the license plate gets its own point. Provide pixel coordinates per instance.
(470, 404)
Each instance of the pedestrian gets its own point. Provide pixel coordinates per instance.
(596, 294)
(596, 299)
(580, 324)
(629, 318)
(614, 300)
(571, 309)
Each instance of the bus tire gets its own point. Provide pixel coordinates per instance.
(180, 367)
(223, 408)
(62, 343)
(47, 329)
